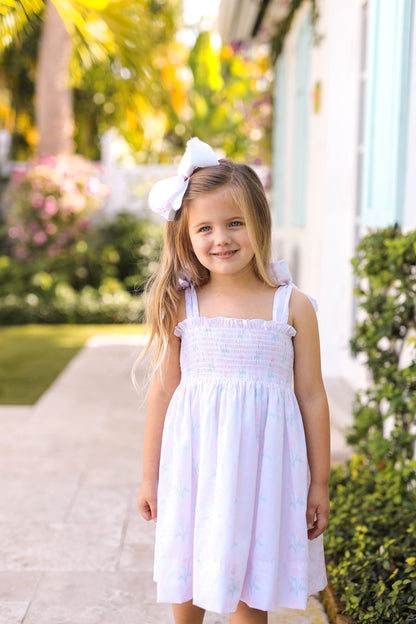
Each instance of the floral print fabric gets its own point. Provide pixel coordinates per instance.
(233, 477)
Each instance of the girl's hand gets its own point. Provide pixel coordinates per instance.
(147, 500)
(317, 510)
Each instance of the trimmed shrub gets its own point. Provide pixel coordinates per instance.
(370, 542)
(384, 335)
(68, 306)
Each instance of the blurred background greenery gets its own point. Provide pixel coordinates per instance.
(69, 73)
(152, 74)
(135, 66)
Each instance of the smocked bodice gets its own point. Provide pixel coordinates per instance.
(224, 349)
(228, 349)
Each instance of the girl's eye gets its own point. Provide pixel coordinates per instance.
(204, 228)
(236, 223)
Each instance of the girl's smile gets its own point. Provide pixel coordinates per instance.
(225, 254)
(218, 233)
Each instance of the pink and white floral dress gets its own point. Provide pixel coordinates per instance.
(233, 477)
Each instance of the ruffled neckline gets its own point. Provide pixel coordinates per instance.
(228, 322)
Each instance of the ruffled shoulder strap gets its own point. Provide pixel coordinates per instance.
(191, 300)
(280, 274)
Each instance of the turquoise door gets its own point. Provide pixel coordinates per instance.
(386, 111)
(302, 107)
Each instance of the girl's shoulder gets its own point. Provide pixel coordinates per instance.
(301, 309)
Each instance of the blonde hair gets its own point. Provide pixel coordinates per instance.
(162, 292)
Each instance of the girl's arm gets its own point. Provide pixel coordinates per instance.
(311, 396)
(163, 385)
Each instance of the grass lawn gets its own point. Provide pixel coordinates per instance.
(32, 356)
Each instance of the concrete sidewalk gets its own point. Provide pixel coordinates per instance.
(73, 547)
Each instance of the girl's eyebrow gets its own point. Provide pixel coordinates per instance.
(198, 225)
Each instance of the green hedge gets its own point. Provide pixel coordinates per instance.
(371, 539)
(384, 336)
(99, 280)
(370, 542)
(68, 306)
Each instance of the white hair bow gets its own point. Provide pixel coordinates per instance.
(166, 196)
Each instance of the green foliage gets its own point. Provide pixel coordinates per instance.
(144, 90)
(96, 279)
(119, 50)
(17, 74)
(108, 304)
(51, 201)
(230, 101)
(385, 265)
(370, 542)
(281, 30)
(58, 266)
(371, 539)
(130, 250)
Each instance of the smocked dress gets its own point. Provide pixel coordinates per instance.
(233, 476)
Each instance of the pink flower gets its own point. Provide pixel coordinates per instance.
(53, 251)
(51, 228)
(39, 239)
(19, 173)
(84, 224)
(21, 252)
(14, 232)
(37, 200)
(51, 206)
(50, 161)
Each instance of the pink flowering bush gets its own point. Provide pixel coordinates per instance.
(51, 202)
(61, 261)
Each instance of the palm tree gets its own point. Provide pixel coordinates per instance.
(75, 35)
(53, 95)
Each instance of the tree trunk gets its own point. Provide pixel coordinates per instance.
(53, 100)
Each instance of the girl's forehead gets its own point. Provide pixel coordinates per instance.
(218, 199)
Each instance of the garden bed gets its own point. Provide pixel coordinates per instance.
(370, 543)
(333, 606)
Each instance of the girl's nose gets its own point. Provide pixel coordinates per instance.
(223, 237)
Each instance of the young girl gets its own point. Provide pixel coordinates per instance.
(236, 462)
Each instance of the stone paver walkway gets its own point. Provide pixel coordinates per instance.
(73, 547)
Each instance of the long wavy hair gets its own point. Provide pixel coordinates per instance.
(162, 295)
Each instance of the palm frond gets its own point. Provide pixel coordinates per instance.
(16, 16)
(128, 30)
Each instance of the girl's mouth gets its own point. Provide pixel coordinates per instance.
(223, 255)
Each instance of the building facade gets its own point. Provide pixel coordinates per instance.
(344, 149)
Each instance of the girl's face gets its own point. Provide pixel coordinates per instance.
(218, 234)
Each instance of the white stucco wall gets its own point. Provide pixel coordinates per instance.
(340, 227)
(324, 247)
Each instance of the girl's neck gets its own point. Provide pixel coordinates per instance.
(246, 280)
(245, 298)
